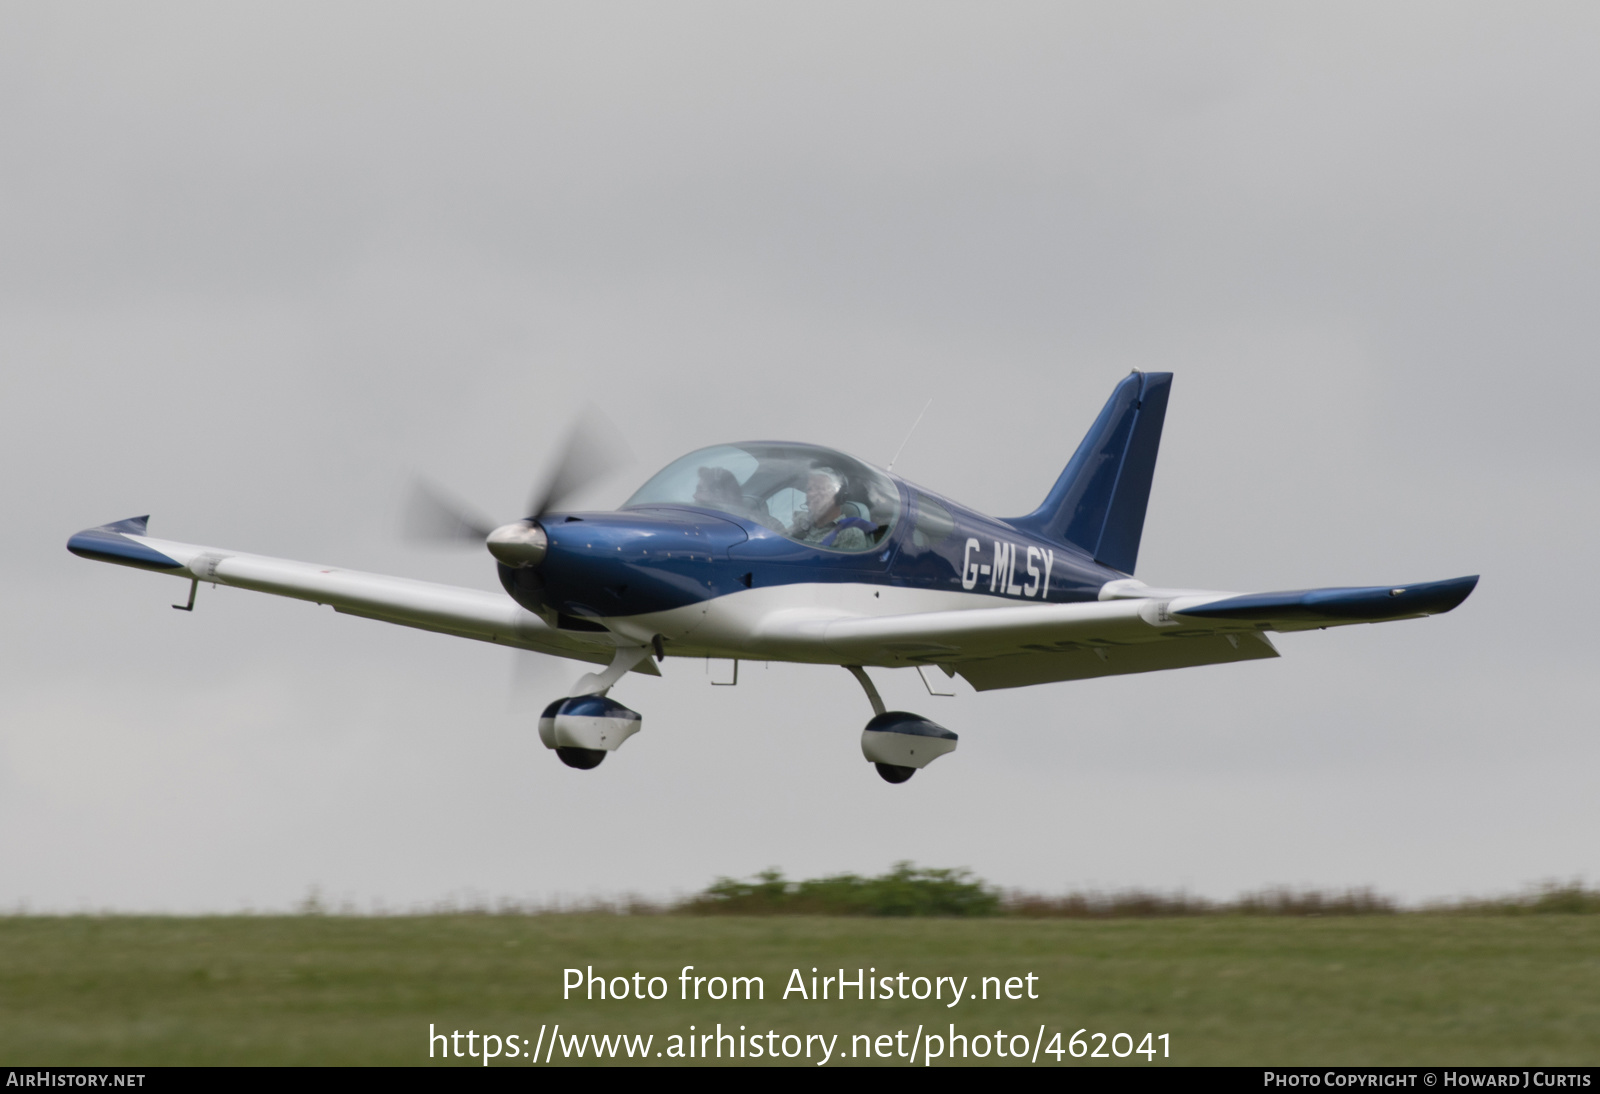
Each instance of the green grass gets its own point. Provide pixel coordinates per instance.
(1406, 989)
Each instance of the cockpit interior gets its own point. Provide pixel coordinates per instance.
(809, 494)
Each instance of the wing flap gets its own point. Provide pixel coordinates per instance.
(1021, 670)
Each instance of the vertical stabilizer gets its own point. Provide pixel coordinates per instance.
(1098, 503)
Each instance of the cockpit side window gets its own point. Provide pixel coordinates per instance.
(933, 524)
(813, 495)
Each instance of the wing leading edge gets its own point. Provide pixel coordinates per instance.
(446, 609)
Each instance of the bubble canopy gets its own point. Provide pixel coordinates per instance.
(809, 494)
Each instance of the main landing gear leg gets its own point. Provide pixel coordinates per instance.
(866, 683)
(894, 773)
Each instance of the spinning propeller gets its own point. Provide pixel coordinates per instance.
(591, 450)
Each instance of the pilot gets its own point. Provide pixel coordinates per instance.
(824, 522)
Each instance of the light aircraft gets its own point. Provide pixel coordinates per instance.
(775, 551)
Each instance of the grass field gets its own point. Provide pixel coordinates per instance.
(1410, 989)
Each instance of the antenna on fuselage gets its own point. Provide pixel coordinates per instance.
(910, 431)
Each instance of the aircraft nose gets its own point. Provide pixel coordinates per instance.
(520, 544)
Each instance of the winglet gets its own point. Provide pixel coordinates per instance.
(1098, 504)
(110, 543)
(138, 526)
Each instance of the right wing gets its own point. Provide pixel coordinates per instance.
(447, 609)
(1132, 629)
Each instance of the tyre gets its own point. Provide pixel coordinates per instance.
(585, 758)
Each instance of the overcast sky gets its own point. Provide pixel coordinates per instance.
(259, 264)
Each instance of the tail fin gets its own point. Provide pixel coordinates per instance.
(1098, 503)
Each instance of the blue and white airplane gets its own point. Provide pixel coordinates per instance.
(791, 552)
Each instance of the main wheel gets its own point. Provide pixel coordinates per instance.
(894, 773)
(585, 758)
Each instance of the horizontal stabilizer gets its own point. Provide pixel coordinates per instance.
(1353, 605)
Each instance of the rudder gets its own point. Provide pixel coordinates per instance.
(1098, 504)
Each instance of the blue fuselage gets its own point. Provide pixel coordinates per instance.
(653, 559)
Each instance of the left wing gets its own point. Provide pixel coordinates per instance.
(447, 609)
(1134, 629)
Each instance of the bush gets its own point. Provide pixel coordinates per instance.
(906, 890)
(1549, 899)
(909, 890)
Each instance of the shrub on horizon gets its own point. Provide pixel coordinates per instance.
(906, 890)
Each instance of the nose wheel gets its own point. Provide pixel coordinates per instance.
(585, 759)
(583, 728)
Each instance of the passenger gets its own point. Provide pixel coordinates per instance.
(718, 489)
(824, 522)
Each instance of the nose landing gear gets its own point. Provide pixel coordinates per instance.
(583, 728)
(581, 758)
